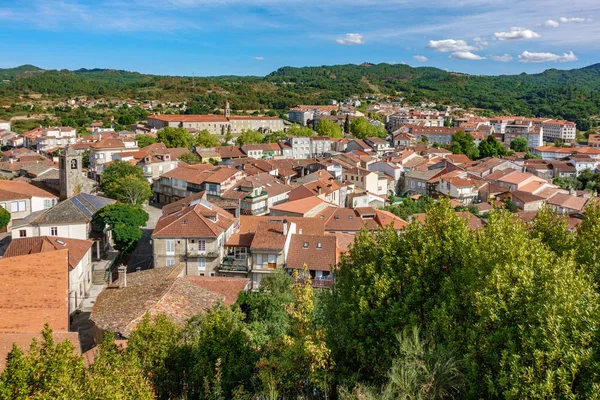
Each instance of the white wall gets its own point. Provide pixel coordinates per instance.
(80, 280)
(75, 231)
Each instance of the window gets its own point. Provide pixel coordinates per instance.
(272, 261)
(202, 264)
(47, 203)
(54, 231)
(201, 246)
(305, 245)
(22, 233)
(259, 260)
(22, 205)
(170, 262)
(170, 247)
(14, 206)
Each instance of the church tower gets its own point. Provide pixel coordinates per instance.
(70, 172)
(227, 109)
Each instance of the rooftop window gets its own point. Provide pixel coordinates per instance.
(305, 245)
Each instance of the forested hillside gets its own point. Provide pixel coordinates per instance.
(572, 94)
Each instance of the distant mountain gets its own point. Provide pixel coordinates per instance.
(570, 94)
(10, 73)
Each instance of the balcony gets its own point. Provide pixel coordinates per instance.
(205, 254)
(234, 266)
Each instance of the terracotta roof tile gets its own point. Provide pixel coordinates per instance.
(12, 190)
(40, 244)
(317, 252)
(34, 291)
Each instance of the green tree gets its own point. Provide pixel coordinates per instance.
(47, 371)
(298, 363)
(145, 140)
(4, 217)
(552, 230)
(588, 240)
(190, 158)
(157, 344)
(249, 137)
(533, 318)
(116, 374)
(361, 128)
(463, 143)
(329, 128)
(130, 190)
(519, 144)
(126, 119)
(347, 125)
(490, 147)
(175, 137)
(274, 137)
(388, 283)
(299, 130)
(125, 222)
(422, 370)
(85, 158)
(265, 310)
(205, 139)
(117, 170)
(219, 346)
(510, 206)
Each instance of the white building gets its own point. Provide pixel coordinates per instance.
(563, 130)
(53, 138)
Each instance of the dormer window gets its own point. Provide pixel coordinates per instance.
(305, 245)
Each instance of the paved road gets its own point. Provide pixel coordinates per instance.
(142, 255)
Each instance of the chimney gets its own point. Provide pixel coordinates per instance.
(123, 273)
(285, 227)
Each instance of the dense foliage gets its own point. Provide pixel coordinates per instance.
(4, 217)
(572, 94)
(125, 222)
(126, 183)
(509, 311)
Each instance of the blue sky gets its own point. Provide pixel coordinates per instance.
(255, 37)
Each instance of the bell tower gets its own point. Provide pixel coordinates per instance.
(70, 172)
(227, 109)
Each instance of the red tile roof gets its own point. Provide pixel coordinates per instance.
(317, 252)
(12, 190)
(40, 244)
(34, 291)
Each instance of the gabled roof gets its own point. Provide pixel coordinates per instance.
(568, 201)
(78, 209)
(13, 190)
(301, 206)
(318, 252)
(153, 291)
(199, 219)
(41, 244)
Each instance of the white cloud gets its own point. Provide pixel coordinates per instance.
(450, 45)
(551, 24)
(259, 58)
(465, 55)
(351, 38)
(517, 33)
(480, 41)
(504, 58)
(420, 58)
(529, 57)
(576, 20)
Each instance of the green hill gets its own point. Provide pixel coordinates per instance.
(571, 94)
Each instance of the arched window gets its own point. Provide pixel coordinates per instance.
(73, 164)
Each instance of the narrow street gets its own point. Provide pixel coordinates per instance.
(141, 257)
